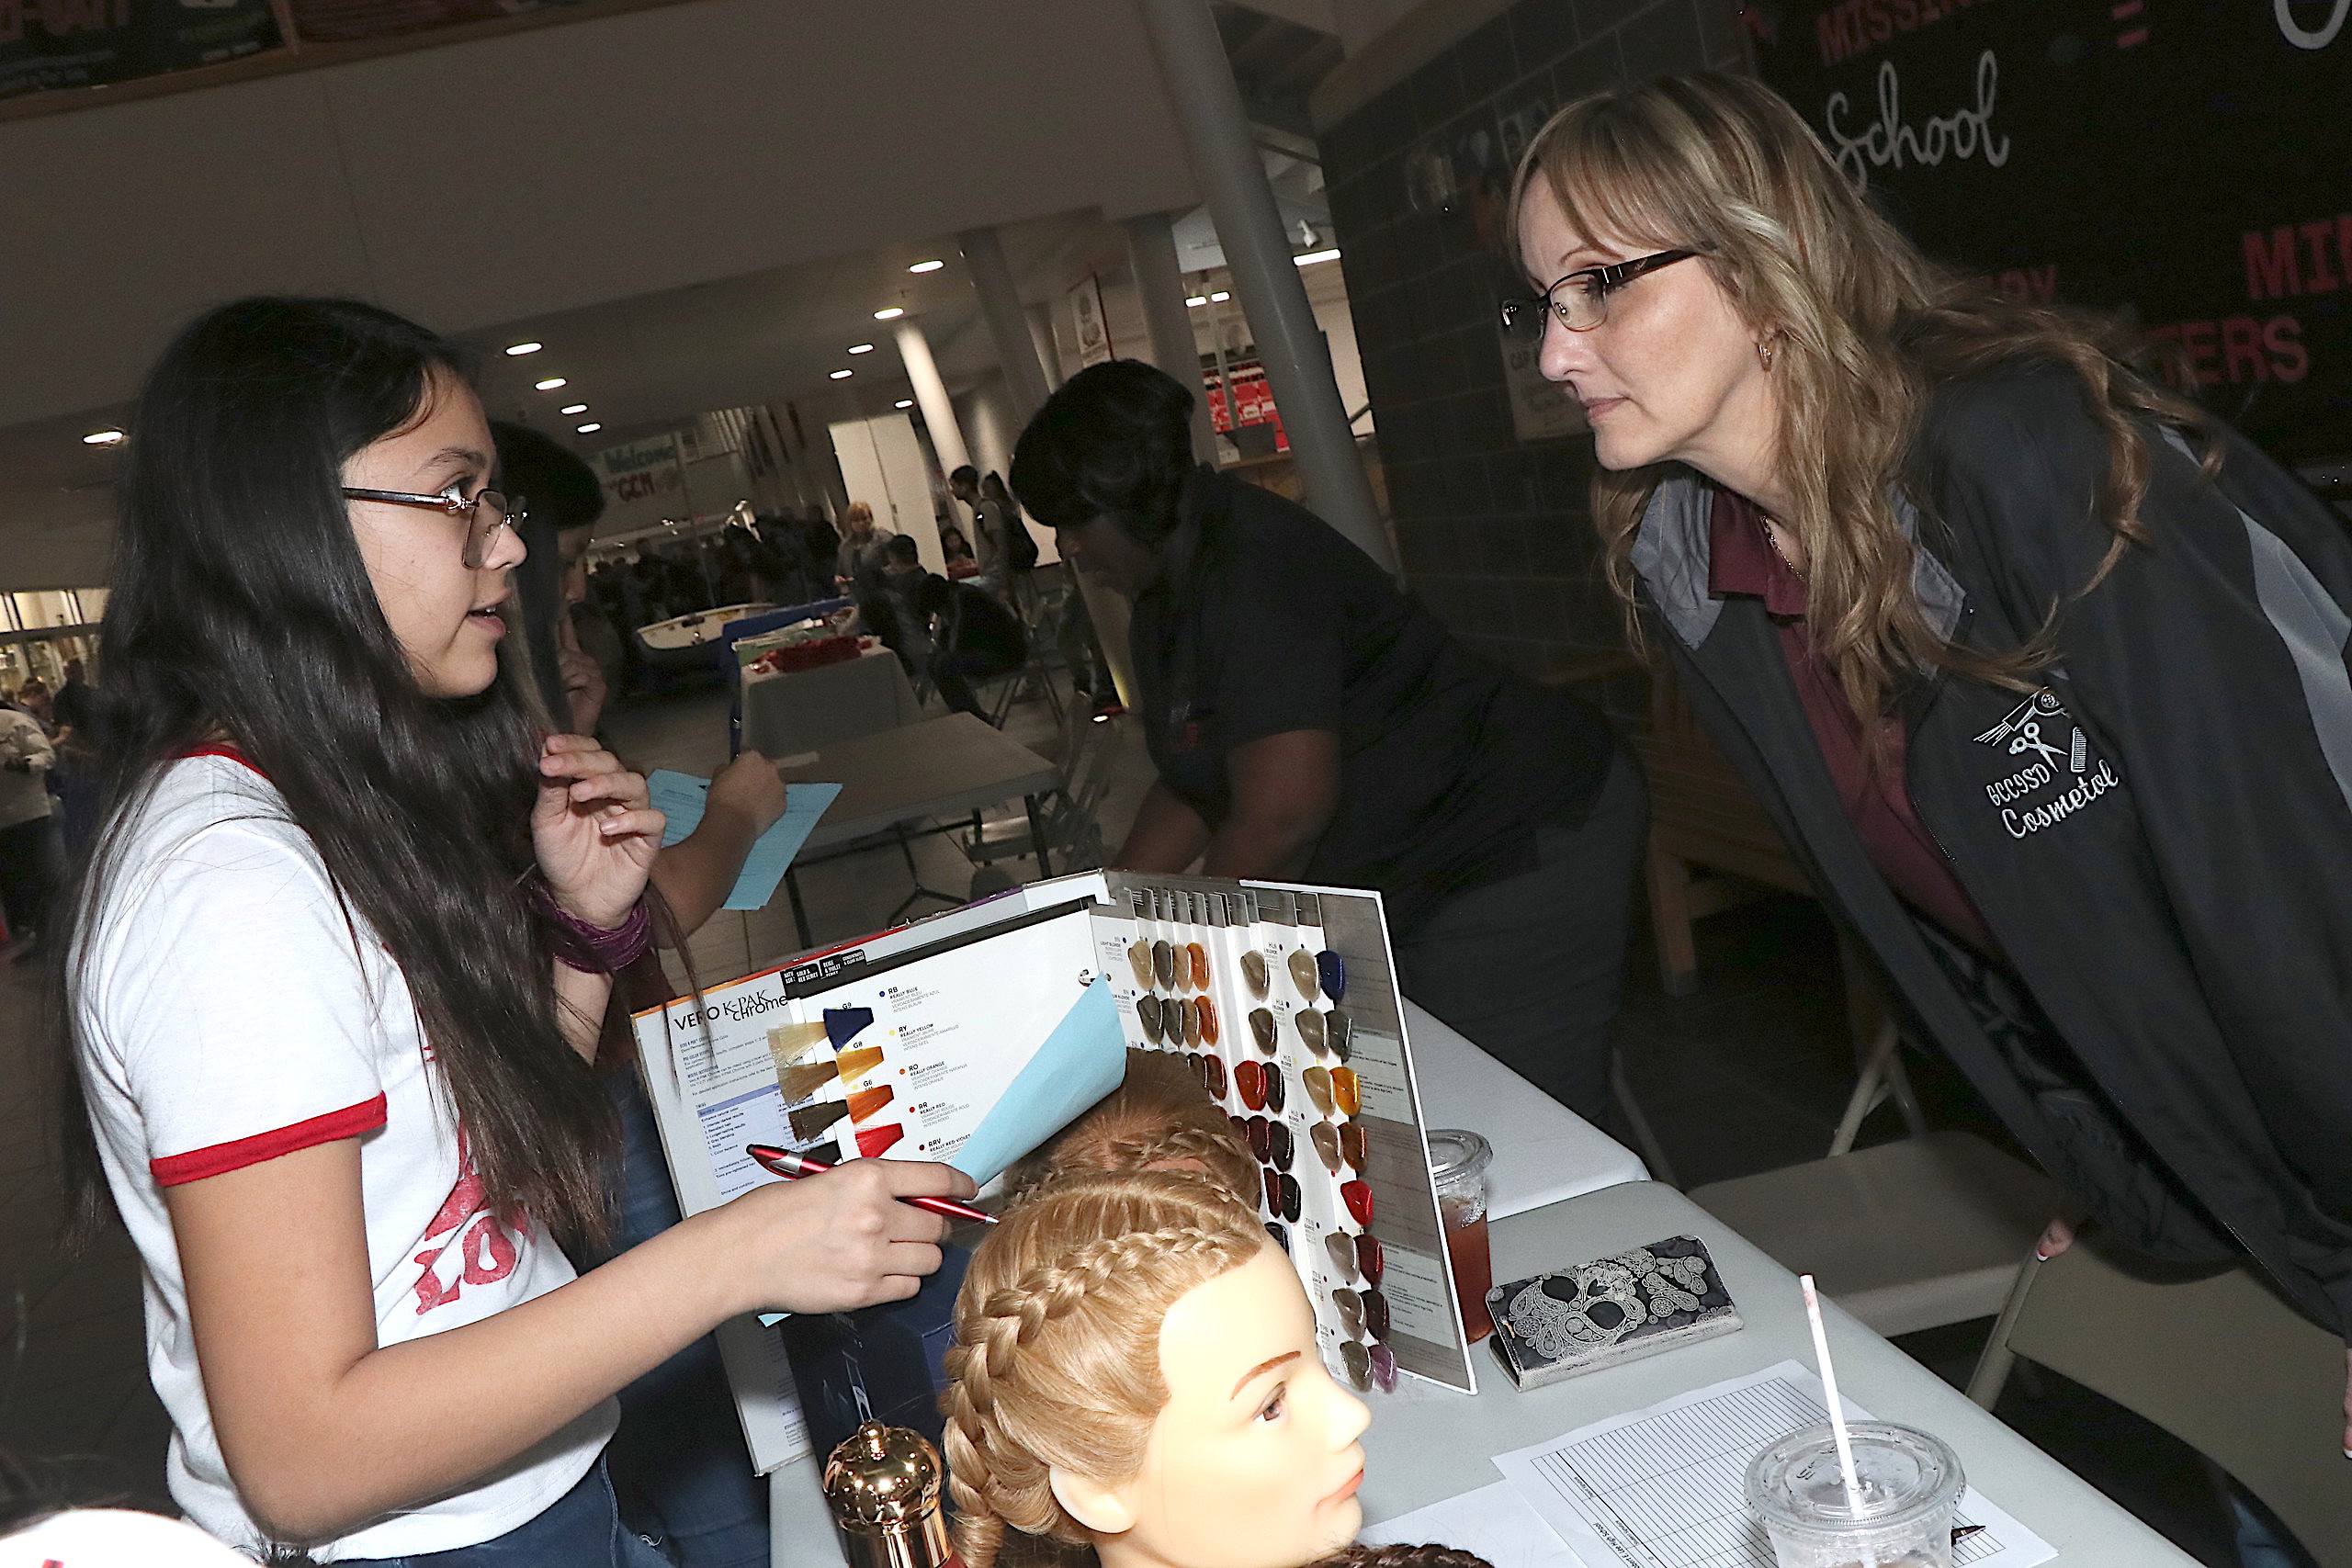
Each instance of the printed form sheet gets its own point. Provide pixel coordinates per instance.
(1661, 1487)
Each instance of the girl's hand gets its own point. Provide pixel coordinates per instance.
(835, 1242)
(596, 833)
(751, 786)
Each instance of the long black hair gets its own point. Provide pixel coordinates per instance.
(1114, 441)
(242, 609)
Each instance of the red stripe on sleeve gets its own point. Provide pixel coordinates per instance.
(174, 1170)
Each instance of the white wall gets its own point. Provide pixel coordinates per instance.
(884, 466)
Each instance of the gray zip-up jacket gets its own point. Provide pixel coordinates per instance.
(2160, 838)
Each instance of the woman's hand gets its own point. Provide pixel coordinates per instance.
(750, 787)
(585, 689)
(839, 1241)
(596, 833)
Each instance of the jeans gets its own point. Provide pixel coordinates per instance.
(582, 1528)
(1532, 969)
(679, 1464)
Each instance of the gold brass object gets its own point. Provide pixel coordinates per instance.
(883, 1484)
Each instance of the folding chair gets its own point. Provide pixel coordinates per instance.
(1069, 815)
(2219, 1360)
(1910, 1235)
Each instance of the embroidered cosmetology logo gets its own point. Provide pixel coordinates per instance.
(2055, 755)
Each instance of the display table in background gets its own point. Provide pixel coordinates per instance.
(803, 710)
(945, 767)
(1544, 1151)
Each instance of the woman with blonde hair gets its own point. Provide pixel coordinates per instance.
(2038, 667)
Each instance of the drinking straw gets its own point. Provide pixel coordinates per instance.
(1836, 1408)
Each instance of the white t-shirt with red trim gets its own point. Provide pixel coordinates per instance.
(230, 1011)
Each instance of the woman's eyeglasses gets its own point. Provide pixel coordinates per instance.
(485, 514)
(1580, 300)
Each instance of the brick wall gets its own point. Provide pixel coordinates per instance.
(1493, 529)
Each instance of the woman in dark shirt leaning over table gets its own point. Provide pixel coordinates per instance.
(1310, 722)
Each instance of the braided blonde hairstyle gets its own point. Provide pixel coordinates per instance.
(1159, 1118)
(1056, 1361)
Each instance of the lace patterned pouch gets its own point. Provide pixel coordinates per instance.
(1651, 1299)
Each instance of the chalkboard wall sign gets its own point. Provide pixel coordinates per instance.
(2190, 160)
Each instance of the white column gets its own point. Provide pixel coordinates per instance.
(1298, 364)
(1160, 279)
(931, 396)
(1008, 327)
(1041, 333)
(938, 412)
(1025, 379)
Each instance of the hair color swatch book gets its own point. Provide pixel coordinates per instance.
(972, 1037)
(1284, 1001)
(912, 1045)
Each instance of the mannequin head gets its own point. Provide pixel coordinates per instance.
(1137, 1371)
(1157, 1119)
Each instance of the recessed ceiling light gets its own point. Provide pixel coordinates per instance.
(843, 375)
(1311, 257)
(904, 404)
(1197, 300)
(1219, 298)
(927, 267)
(575, 408)
(861, 349)
(591, 426)
(551, 384)
(892, 314)
(103, 438)
(525, 347)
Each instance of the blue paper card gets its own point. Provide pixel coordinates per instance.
(680, 797)
(1083, 1059)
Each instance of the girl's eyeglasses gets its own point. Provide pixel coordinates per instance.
(1581, 300)
(485, 514)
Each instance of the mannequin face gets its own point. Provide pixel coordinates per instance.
(1253, 1463)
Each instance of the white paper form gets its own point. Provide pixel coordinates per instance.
(1661, 1487)
(1494, 1521)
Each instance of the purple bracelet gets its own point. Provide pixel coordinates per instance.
(594, 950)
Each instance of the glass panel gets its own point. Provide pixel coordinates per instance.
(47, 608)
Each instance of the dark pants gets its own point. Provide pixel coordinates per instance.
(955, 672)
(578, 1530)
(32, 864)
(1532, 969)
(678, 1460)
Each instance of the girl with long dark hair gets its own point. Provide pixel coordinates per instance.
(336, 970)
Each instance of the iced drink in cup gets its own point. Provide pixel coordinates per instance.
(1458, 1162)
(1909, 1485)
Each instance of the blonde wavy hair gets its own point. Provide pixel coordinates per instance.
(1056, 1359)
(1159, 1118)
(1863, 329)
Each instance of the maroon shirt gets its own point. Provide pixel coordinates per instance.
(1743, 561)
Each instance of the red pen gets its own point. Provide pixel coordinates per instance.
(792, 1166)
